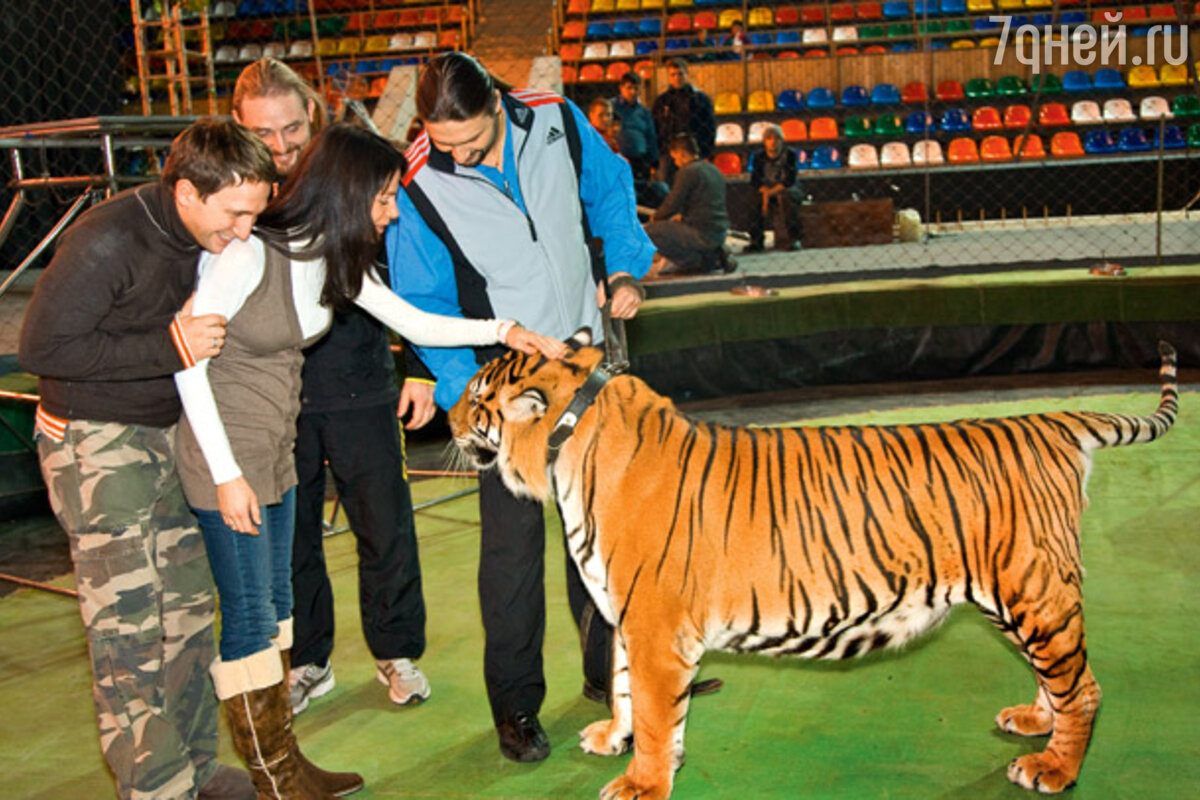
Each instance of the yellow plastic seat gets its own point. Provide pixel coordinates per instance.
(601, 6)
(727, 103)
(376, 44)
(760, 101)
(961, 44)
(979, 6)
(1039, 3)
(991, 41)
(1143, 76)
(680, 3)
(1009, 5)
(628, 5)
(1173, 75)
(652, 4)
(349, 46)
(729, 16)
(761, 17)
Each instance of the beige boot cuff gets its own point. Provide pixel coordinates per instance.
(284, 639)
(258, 671)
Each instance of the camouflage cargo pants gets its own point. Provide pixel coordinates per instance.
(147, 598)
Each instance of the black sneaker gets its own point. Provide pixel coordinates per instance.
(522, 738)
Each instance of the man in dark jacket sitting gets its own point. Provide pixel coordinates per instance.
(689, 227)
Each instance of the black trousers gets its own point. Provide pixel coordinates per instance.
(512, 600)
(364, 452)
(784, 209)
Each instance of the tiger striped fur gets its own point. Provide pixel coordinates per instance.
(821, 542)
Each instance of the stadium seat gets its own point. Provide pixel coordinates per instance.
(594, 50)
(962, 151)
(874, 50)
(569, 74)
(404, 41)
(760, 17)
(760, 101)
(1143, 76)
(802, 161)
(1016, 116)
(1047, 82)
(787, 15)
(986, 118)
(1161, 11)
(616, 70)
(818, 35)
(812, 14)
(923, 8)
(679, 23)
(591, 73)
(889, 125)
(914, 92)
(1173, 138)
(624, 28)
(790, 100)
(794, 130)
(868, 10)
(927, 152)
(727, 103)
(863, 156)
(760, 38)
(1011, 86)
(899, 30)
(730, 133)
(599, 30)
(680, 3)
(979, 87)
(994, 148)
(1028, 148)
(1077, 80)
(1009, 5)
(787, 37)
(841, 12)
(954, 8)
(1155, 107)
(857, 127)
(950, 91)
(885, 94)
(645, 47)
(896, 9)
(1066, 144)
(1099, 143)
(962, 44)
(677, 43)
(1051, 114)
(894, 155)
(855, 96)
(820, 97)
(628, 5)
(645, 68)
(619, 49)
(871, 32)
(919, 122)
(826, 157)
(823, 128)
(1108, 79)
(1173, 75)
(728, 17)
(1133, 140)
(1185, 105)
(1086, 112)
(603, 6)
(706, 20)
(1118, 109)
(728, 163)
(757, 130)
(955, 120)
(980, 6)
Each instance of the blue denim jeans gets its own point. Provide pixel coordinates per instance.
(253, 575)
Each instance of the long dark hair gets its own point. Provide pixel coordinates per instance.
(326, 203)
(455, 87)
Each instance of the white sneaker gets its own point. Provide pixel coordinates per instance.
(308, 682)
(407, 685)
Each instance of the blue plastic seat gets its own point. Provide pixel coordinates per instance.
(827, 157)
(984, 24)
(1108, 78)
(954, 8)
(1077, 80)
(1133, 140)
(1042, 20)
(624, 29)
(1072, 18)
(896, 9)
(790, 100)
(1141, 30)
(678, 43)
(904, 47)
(1172, 138)
(1099, 143)
(885, 94)
(649, 26)
(820, 97)
(802, 160)
(939, 44)
(955, 120)
(644, 47)
(1017, 20)
(855, 96)
(599, 30)
(923, 8)
(919, 122)
(787, 37)
(761, 38)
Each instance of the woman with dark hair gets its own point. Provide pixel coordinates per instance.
(314, 250)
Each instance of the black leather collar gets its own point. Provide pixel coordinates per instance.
(585, 395)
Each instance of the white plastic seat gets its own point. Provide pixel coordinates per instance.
(1156, 107)
(400, 41)
(814, 36)
(730, 133)
(595, 50)
(425, 39)
(1118, 109)
(1086, 112)
(895, 155)
(864, 156)
(226, 53)
(927, 151)
(843, 33)
(250, 52)
(274, 50)
(757, 129)
(621, 49)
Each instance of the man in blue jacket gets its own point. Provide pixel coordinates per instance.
(502, 192)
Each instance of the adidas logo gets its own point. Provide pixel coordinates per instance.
(554, 135)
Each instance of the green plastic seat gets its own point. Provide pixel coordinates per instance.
(870, 32)
(858, 126)
(1186, 105)
(1050, 83)
(932, 26)
(1194, 135)
(1011, 86)
(899, 30)
(958, 26)
(979, 87)
(889, 125)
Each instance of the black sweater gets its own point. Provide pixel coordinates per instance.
(96, 330)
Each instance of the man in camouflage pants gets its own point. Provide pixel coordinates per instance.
(105, 332)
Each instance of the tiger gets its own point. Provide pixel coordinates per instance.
(818, 542)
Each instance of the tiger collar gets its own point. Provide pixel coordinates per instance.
(585, 395)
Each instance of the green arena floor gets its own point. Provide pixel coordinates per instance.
(913, 726)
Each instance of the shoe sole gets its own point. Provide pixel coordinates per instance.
(413, 699)
(320, 690)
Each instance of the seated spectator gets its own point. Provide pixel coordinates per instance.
(737, 37)
(689, 227)
(773, 176)
(703, 46)
(638, 140)
(600, 114)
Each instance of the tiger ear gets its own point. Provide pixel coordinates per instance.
(581, 338)
(529, 404)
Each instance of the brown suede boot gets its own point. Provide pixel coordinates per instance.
(338, 784)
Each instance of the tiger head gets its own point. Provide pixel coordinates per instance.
(510, 407)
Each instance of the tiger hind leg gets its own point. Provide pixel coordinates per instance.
(611, 737)
(1065, 707)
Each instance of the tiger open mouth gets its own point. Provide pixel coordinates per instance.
(481, 455)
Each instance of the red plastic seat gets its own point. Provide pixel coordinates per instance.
(986, 118)
(962, 151)
(794, 130)
(948, 91)
(571, 51)
(914, 92)
(593, 73)
(453, 14)
(1017, 116)
(1128, 14)
(356, 22)
(410, 18)
(816, 54)
(869, 10)
(728, 163)
(645, 68)
(574, 29)
(431, 16)
(1066, 144)
(841, 12)
(1054, 114)
(616, 70)
(386, 20)
(704, 19)
(874, 50)
(995, 148)
(569, 74)
(1029, 148)
(787, 15)
(847, 50)
(1162, 11)
(449, 39)
(812, 14)
(579, 6)
(788, 54)
(679, 23)
(823, 128)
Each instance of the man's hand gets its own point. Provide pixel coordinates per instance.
(416, 400)
(239, 506)
(627, 298)
(205, 335)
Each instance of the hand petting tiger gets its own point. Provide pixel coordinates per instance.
(823, 542)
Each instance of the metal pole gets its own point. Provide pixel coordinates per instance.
(45, 587)
(44, 243)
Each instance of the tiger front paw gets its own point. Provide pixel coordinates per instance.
(605, 738)
(625, 788)
(1041, 771)
(1028, 720)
